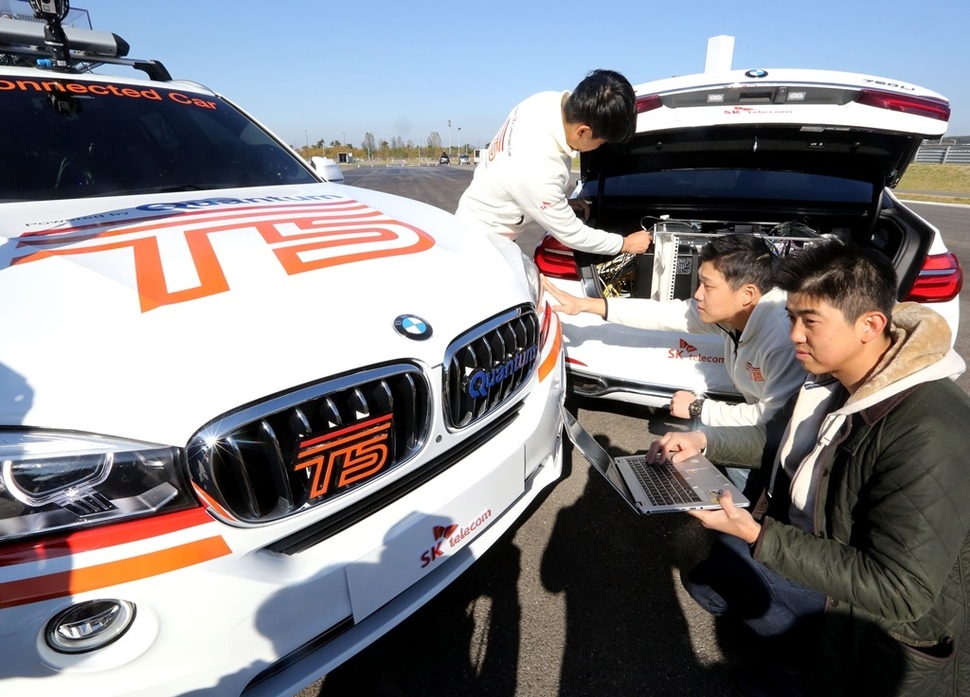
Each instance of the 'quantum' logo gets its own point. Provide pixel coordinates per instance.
(482, 381)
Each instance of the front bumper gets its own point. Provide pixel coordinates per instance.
(216, 611)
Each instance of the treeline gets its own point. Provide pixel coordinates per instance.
(373, 149)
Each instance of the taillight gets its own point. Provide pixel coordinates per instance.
(556, 260)
(921, 106)
(940, 279)
(648, 102)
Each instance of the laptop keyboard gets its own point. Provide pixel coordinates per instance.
(663, 483)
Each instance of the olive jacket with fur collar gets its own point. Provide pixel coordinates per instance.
(881, 518)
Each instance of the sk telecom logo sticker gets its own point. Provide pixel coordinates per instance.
(689, 352)
(447, 537)
(441, 533)
(681, 350)
(181, 257)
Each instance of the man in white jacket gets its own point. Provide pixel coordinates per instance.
(526, 173)
(735, 299)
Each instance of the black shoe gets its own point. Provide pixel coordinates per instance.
(766, 681)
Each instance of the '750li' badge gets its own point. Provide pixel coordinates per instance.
(345, 456)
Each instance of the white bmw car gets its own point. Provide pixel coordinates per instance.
(249, 420)
(791, 155)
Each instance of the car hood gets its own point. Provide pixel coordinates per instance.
(147, 317)
(746, 120)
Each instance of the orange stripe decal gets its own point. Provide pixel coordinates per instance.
(101, 537)
(32, 590)
(550, 361)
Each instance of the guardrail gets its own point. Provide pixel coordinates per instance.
(943, 155)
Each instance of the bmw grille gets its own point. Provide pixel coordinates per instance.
(305, 447)
(489, 364)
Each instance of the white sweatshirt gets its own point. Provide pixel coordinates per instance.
(761, 361)
(525, 176)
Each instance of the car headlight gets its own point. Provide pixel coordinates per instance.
(55, 480)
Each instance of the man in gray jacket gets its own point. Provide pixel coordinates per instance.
(735, 299)
(859, 572)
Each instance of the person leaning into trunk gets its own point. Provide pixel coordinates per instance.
(526, 173)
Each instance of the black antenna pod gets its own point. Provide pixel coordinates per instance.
(53, 13)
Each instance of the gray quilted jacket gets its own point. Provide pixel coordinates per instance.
(890, 539)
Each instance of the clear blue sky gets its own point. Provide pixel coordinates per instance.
(339, 68)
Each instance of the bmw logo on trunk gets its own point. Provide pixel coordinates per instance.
(413, 327)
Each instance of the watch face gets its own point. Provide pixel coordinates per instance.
(695, 408)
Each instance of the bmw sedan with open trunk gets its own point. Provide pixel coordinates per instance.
(789, 155)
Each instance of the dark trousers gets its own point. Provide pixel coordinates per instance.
(731, 583)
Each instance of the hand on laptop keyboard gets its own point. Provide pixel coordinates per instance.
(677, 446)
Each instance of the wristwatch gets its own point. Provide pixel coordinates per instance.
(694, 410)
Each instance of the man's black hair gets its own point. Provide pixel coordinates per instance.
(604, 101)
(852, 279)
(741, 259)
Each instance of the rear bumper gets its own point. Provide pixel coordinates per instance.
(595, 386)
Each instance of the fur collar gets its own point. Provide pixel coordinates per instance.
(920, 351)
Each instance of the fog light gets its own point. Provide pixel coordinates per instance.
(89, 626)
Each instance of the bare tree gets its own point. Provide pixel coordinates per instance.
(434, 140)
(369, 143)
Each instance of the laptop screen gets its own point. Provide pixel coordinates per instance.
(597, 456)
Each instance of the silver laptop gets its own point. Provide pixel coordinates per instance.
(694, 484)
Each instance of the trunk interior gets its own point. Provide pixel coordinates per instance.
(789, 184)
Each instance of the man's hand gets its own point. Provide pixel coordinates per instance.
(580, 207)
(680, 402)
(637, 242)
(677, 446)
(572, 305)
(730, 520)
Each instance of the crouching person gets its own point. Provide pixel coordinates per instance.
(859, 570)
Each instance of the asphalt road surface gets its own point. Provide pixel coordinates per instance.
(584, 597)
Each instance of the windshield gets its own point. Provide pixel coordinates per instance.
(71, 138)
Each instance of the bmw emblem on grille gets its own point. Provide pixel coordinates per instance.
(758, 72)
(413, 327)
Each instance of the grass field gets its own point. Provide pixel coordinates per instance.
(949, 183)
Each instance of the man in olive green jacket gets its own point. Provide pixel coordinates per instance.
(860, 570)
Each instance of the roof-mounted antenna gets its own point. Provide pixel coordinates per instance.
(53, 13)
